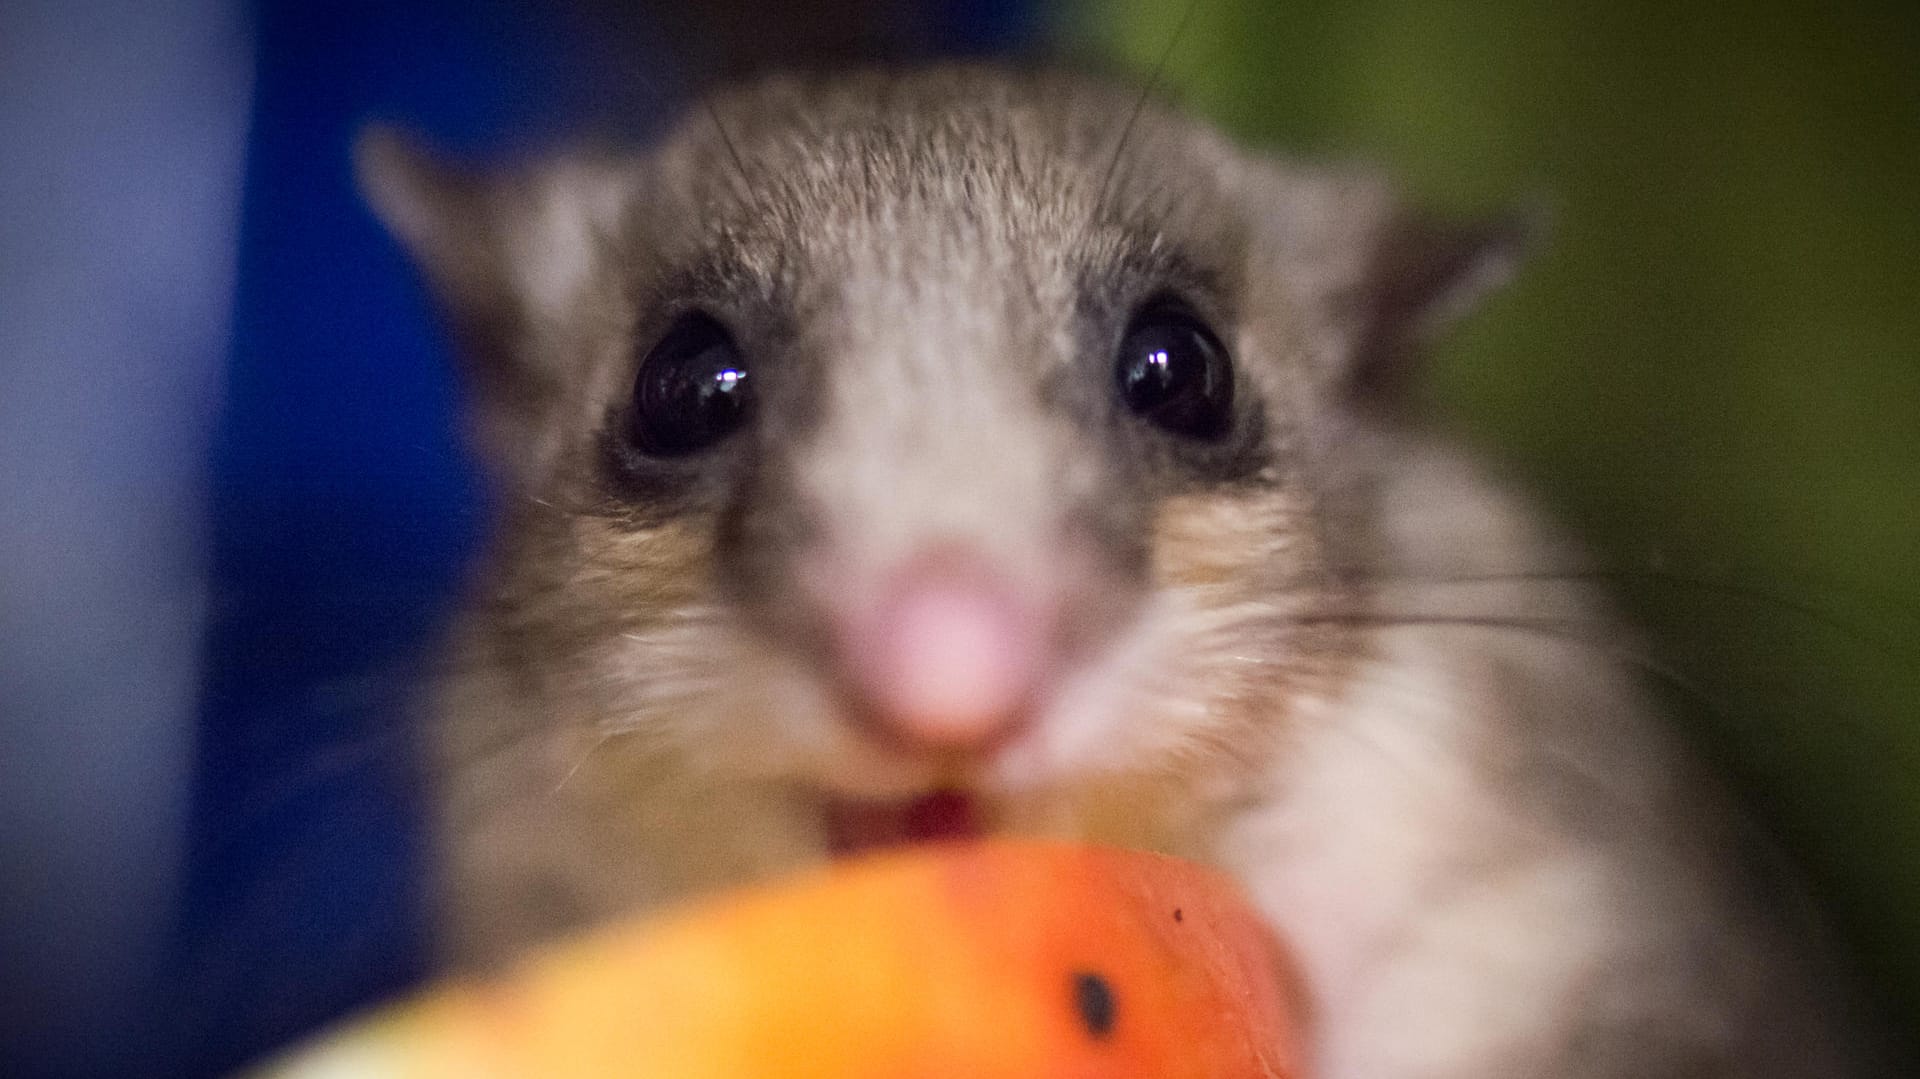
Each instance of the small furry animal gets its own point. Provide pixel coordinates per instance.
(947, 451)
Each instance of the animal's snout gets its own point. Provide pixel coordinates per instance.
(951, 656)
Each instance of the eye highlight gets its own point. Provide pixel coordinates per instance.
(1172, 371)
(692, 390)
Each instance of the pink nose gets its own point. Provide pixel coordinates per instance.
(950, 657)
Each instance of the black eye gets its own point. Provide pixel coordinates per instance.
(1174, 371)
(692, 390)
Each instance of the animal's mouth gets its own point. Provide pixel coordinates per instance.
(857, 827)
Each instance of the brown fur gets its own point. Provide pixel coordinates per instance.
(1489, 861)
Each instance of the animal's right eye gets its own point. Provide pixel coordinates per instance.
(692, 389)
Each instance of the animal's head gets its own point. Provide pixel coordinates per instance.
(892, 432)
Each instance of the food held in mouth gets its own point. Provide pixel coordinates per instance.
(983, 959)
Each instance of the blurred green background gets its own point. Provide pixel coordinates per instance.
(1713, 369)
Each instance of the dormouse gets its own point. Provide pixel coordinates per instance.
(952, 451)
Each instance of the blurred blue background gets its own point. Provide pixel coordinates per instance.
(342, 509)
(236, 506)
(122, 135)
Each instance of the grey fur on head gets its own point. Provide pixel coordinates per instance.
(1306, 651)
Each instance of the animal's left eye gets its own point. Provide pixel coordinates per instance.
(1174, 372)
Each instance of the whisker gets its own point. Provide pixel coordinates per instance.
(605, 736)
(726, 140)
(310, 776)
(1109, 174)
(1885, 646)
(1563, 630)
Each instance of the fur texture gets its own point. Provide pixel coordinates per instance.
(1327, 652)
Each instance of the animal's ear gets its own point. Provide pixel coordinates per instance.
(1381, 279)
(441, 213)
(521, 265)
(1426, 273)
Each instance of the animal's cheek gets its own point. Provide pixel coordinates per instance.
(647, 570)
(1241, 581)
(1231, 542)
(758, 709)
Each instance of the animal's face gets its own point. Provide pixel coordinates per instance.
(897, 433)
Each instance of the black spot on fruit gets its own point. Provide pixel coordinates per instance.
(1093, 999)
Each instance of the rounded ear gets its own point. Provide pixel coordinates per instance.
(439, 212)
(1425, 273)
(522, 266)
(1378, 277)
(451, 222)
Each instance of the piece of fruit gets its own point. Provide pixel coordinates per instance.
(989, 959)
